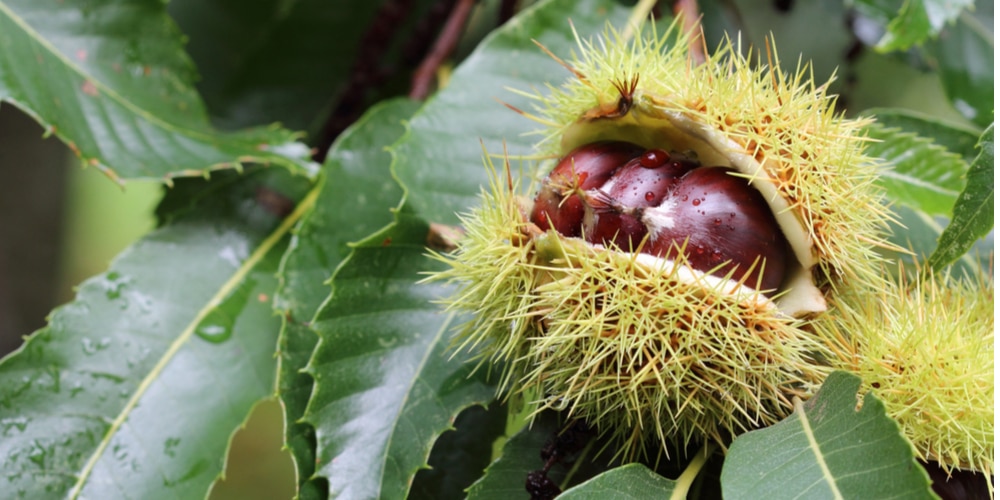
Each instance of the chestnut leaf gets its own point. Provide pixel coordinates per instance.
(919, 233)
(918, 172)
(460, 455)
(973, 212)
(504, 479)
(957, 138)
(386, 384)
(91, 404)
(354, 195)
(828, 448)
(915, 22)
(927, 161)
(633, 481)
(277, 61)
(963, 55)
(112, 81)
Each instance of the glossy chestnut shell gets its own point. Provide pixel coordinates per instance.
(665, 204)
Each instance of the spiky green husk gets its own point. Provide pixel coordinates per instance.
(925, 348)
(642, 348)
(650, 350)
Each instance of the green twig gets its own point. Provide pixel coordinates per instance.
(687, 478)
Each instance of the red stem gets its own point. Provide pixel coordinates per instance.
(692, 24)
(423, 77)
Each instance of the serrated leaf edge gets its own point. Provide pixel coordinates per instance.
(153, 119)
(925, 144)
(258, 254)
(943, 254)
(445, 326)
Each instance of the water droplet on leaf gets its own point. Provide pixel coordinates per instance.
(214, 333)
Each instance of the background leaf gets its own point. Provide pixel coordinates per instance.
(918, 20)
(460, 455)
(973, 217)
(963, 57)
(386, 384)
(504, 478)
(917, 172)
(580, 454)
(918, 233)
(802, 31)
(110, 79)
(290, 62)
(959, 139)
(439, 161)
(826, 449)
(95, 404)
(628, 481)
(919, 228)
(354, 199)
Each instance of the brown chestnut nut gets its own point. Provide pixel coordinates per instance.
(614, 211)
(559, 204)
(620, 194)
(719, 220)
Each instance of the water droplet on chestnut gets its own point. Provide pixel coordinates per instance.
(754, 233)
(631, 188)
(654, 158)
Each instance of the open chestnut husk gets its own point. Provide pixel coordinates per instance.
(662, 282)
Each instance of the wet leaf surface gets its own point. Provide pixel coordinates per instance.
(973, 212)
(108, 416)
(386, 384)
(354, 198)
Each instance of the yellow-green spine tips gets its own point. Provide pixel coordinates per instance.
(640, 347)
(925, 348)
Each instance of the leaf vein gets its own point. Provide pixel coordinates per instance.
(814, 446)
(423, 362)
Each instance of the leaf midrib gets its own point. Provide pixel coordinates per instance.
(814, 446)
(409, 390)
(917, 182)
(258, 254)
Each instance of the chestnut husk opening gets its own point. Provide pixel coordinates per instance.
(665, 204)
